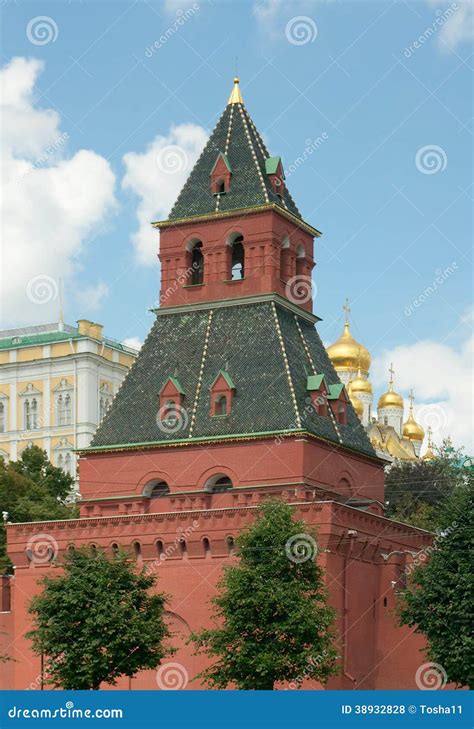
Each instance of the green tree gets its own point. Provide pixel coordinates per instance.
(416, 491)
(32, 489)
(97, 621)
(273, 622)
(35, 465)
(438, 599)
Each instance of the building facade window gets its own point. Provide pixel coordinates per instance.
(2, 417)
(237, 266)
(30, 413)
(104, 405)
(63, 409)
(197, 264)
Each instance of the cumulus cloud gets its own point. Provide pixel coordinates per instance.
(50, 202)
(91, 297)
(156, 176)
(441, 378)
(458, 27)
(133, 342)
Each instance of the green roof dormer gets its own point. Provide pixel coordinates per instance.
(314, 382)
(335, 391)
(225, 159)
(271, 165)
(227, 378)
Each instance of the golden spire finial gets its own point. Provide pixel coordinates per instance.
(411, 397)
(430, 433)
(236, 96)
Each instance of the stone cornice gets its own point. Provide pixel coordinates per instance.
(237, 212)
(363, 517)
(233, 438)
(240, 301)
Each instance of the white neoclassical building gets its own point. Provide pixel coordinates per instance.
(56, 384)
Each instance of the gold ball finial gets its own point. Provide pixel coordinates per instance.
(236, 96)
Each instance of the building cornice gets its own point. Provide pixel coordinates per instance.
(318, 505)
(236, 213)
(240, 301)
(231, 438)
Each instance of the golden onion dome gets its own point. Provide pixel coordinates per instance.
(346, 353)
(412, 430)
(390, 399)
(358, 406)
(361, 384)
(429, 455)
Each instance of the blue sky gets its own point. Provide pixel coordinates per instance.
(349, 72)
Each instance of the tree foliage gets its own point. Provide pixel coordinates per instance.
(438, 600)
(273, 623)
(417, 490)
(97, 621)
(32, 489)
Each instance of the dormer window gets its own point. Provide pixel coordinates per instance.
(171, 397)
(276, 176)
(222, 394)
(338, 400)
(220, 405)
(220, 175)
(318, 390)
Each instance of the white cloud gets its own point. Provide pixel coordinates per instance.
(157, 177)
(91, 297)
(442, 380)
(458, 26)
(133, 342)
(50, 202)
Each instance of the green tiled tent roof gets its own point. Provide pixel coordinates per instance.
(235, 137)
(249, 339)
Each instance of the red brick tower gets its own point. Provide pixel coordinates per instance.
(233, 398)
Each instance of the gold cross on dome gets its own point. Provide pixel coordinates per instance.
(412, 398)
(347, 310)
(392, 372)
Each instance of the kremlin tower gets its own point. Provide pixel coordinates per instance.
(232, 400)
